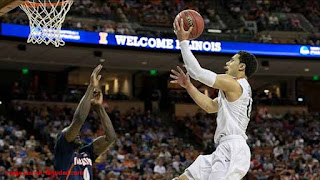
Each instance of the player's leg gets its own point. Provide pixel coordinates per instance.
(220, 166)
(240, 163)
(231, 162)
(185, 176)
(220, 162)
(198, 170)
(181, 177)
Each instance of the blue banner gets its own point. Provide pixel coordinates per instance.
(170, 44)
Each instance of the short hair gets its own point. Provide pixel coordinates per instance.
(250, 61)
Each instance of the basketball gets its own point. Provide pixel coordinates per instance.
(191, 18)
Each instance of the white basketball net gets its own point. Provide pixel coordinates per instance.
(45, 19)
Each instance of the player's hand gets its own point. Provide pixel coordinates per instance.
(97, 99)
(95, 77)
(179, 30)
(179, 77)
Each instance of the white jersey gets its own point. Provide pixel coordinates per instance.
(233, 117)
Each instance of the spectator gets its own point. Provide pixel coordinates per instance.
(159, 168)
(273, 22)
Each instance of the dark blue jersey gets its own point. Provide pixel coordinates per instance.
(77, 162)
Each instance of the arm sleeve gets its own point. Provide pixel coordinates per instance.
(193, 67)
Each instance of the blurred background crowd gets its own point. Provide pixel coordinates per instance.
(235, 20)
(149, 147)
(156, 139)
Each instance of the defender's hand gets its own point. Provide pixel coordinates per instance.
(97, 99)
(95, 77)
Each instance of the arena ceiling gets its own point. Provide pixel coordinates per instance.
(49, 58)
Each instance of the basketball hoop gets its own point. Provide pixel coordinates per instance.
(45, 19)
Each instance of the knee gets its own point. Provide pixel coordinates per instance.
(182, 177)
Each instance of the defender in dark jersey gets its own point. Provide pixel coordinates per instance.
(69, 155)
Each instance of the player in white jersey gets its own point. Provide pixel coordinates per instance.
(231, 159)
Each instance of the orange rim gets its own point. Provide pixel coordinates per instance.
(33, 4)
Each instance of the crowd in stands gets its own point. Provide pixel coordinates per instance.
(274, 14)
(278, 16)
(26, 91)
(285, 145)
(260, 98)
(281, 144)
(145, 149)
(149, 13)
(155, 17)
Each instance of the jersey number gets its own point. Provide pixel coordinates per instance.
(86, 174)
(249, 109)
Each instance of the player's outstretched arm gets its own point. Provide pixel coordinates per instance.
(206, 103)
(83, 108)
(224, 82)
(191, 63)
(101, 144)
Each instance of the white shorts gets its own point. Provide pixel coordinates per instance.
(230, 161)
